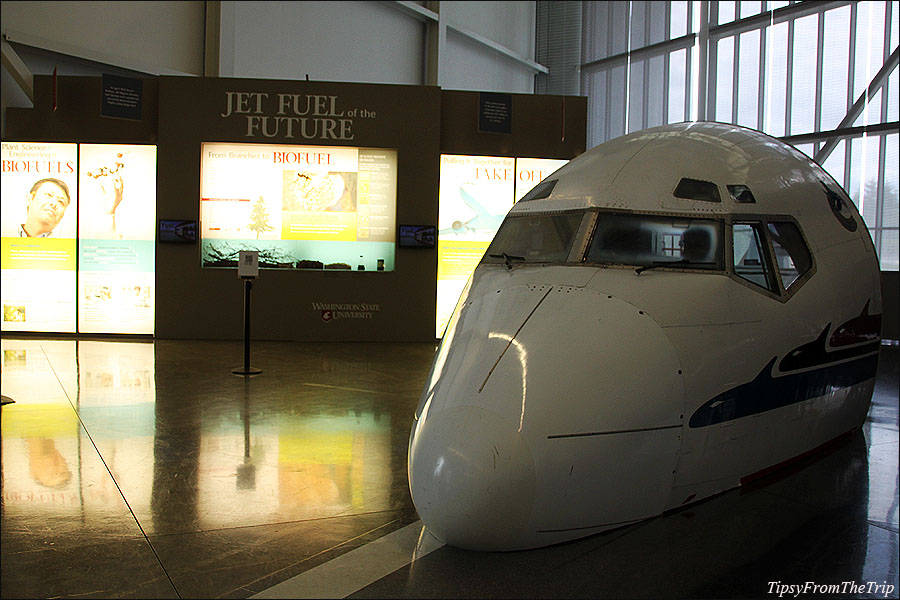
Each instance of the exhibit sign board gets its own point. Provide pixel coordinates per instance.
(300, 207)
(476, 192)
(79, 231)
(116, 238)
(39, 227)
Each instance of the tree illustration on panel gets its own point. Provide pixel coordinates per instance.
(259, 218)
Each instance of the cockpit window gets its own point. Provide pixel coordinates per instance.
(534, 238)
(650, 241)
(540, 191)
(748, 244)
(694, 189)
(766, 252)
(741, 194)
(792, 257)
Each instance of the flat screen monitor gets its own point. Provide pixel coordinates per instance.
(417, 236)
(177, 231)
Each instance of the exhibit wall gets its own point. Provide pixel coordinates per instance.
(319, 178)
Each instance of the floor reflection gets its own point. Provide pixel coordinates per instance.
(146, 469)
(45, 431)
(188, 465)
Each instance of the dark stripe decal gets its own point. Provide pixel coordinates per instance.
(864, 328)
(839, 207)
(815, 354)
(766, 393)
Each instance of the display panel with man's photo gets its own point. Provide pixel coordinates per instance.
(38, 220)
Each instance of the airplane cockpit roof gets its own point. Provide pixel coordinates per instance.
(695, 167)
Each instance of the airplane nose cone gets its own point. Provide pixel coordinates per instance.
(472, 478)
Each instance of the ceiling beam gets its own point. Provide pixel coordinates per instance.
(17, 68)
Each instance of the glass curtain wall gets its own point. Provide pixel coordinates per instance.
(820, 75)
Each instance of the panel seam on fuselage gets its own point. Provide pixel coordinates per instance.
(593, 433)
(608, 525)
(509, 343)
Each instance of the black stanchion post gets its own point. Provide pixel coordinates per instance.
(247, 270)
(248, 285)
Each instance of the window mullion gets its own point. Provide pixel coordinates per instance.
(820, 59)
(645, 85)
(851, 77)
(735, 77)
(761, 81)
(667, 17)
(879, 194)
(789, 79)
(665, 88)
(882, 151)
(851, 58)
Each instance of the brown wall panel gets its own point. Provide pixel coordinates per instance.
(541, 126)
(195, 302)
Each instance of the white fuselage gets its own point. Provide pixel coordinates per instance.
(591, 389)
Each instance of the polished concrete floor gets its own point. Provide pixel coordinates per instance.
(141, 469)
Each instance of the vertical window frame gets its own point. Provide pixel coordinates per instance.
(772, 288)
(776, 289)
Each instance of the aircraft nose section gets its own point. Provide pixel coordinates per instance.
(472, 478)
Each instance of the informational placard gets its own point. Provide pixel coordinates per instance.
(300, 207)
(494, 112)
(122, 97)
(117, 232)
(248, 264)
(476, 192)
(38, 219)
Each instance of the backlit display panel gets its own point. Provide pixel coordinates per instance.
(300, 207)
(476, 192)
(39, 201)
(117, 233)
(79, 231)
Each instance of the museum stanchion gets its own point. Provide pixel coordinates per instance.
(246, 369)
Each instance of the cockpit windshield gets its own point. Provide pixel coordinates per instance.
(545, 238)
(651, 241)
(637, 240)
